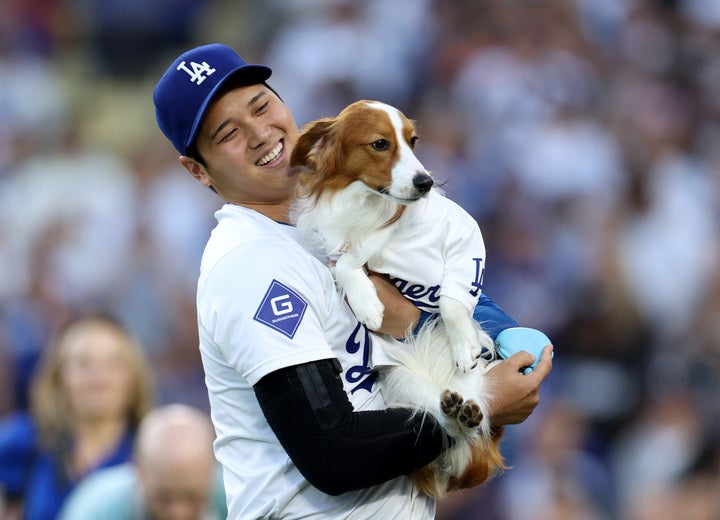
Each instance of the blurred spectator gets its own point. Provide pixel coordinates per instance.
(31, 99)
(66, 221)
(91, 390)
(157, 297)
(657, 449)
(556, 474)
(368, 51)
(670, 205)
(694, 495)
(38, 27)
(174, 475)
(85, 197)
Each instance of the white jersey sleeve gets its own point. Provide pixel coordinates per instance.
(264, 314)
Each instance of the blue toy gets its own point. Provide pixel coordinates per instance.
(515, 339)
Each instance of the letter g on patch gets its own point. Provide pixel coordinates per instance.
(281, 305)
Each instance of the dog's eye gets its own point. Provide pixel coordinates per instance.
(413, 141)
(380, 145)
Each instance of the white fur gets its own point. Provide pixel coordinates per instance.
(422, 373)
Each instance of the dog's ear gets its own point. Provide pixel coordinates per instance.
(311, 141)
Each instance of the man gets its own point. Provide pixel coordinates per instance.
(302, 429)
(174, 475)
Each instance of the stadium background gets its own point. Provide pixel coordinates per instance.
(583, 135)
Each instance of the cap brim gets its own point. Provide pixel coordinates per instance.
(253, 74)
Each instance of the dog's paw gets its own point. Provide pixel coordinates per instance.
(450, 403)
(470, 415)
(361, 296)
(465, 356)
(368, 311)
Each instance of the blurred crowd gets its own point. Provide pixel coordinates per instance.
(583, 135)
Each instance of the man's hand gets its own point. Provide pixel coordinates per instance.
(516, 395)
(400, 313)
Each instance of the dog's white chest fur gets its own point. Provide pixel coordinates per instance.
(347, 220)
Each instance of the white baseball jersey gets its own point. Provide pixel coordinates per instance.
(436, 249)
(265, 303)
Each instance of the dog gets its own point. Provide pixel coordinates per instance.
(368, 203)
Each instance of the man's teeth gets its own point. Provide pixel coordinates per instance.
(271, 156)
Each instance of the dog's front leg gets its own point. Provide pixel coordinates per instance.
(359, 290)
(465, 337)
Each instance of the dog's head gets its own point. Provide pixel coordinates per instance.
(368, 141)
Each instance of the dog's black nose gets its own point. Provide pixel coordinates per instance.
(422, 182)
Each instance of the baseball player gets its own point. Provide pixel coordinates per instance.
(302, 429)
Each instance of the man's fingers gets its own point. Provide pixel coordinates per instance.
(521, 359)
(545, 364)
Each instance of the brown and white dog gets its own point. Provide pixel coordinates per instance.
(369, 202)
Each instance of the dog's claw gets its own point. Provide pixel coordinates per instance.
(465, 369)
(466, 358)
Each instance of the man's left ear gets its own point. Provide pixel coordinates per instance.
(196, 169)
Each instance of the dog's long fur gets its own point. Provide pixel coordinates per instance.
(361, 179)
(425, 371)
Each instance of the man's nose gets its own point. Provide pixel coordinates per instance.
(258, 136)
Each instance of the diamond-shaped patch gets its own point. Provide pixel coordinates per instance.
(282, 309)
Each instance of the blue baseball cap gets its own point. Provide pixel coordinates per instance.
(184, 92)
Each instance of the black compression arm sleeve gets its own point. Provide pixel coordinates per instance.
(335, 448)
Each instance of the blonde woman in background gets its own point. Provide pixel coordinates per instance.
(91, 389)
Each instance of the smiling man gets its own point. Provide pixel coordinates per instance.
(302, 427)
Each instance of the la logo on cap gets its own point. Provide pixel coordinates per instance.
(199, 72)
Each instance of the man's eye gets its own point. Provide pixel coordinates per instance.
(229, 135)
(262, 108)
(380, 145)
